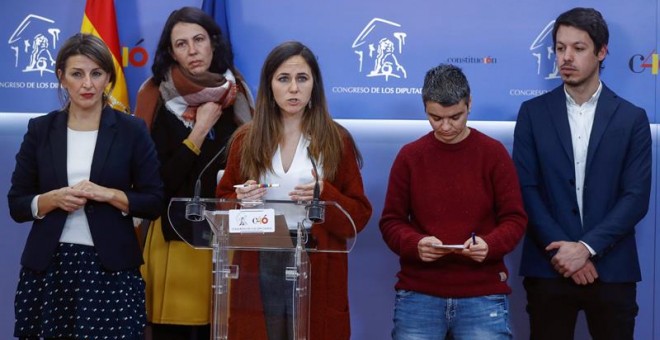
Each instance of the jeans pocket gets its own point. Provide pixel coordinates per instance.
(402, 294)
(499, 300)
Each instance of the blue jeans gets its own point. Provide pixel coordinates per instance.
(423, 317)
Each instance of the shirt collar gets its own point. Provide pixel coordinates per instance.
(593, 100)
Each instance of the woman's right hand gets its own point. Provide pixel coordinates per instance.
(250, 191)
(68, 199)
(429, 253)
(207, 115)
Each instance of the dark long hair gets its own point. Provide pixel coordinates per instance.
(264, 133)
(223, 58)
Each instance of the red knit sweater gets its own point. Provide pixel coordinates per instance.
(449, 191)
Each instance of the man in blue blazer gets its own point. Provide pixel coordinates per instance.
(583, 156)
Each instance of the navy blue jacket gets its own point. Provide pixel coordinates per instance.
(124, 159)
(616, 188)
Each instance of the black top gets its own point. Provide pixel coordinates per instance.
(180, 166)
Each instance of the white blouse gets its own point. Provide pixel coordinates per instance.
(79, 153)
(300, 172)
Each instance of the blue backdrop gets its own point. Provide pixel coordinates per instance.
(373, 56)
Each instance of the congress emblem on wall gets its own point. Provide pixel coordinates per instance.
(543, 51)
(33, 44)
(378, 48)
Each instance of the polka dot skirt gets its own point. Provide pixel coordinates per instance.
(76, 298)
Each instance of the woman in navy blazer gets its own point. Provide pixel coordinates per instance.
(81, 174)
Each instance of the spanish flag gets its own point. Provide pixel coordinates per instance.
(100, 20)
(217, 9)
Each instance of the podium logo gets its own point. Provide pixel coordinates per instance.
(378, 48)
(543, 51)
(260, 219)
(33, 44)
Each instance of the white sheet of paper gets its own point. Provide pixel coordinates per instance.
(449, 246)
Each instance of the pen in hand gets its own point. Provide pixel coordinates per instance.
(474, 238)
(257, 185)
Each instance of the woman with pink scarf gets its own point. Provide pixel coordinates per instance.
(193, 103)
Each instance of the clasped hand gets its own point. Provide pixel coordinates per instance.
(75, 197)
(572, 260)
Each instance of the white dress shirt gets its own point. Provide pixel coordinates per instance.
(581, 119)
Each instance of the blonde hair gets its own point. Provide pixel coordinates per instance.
(91, 47)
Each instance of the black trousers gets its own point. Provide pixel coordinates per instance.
(277, 294)
(553, 306)
(179, 332)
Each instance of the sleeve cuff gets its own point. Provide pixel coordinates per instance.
(591, 250)
(34, 205)
(187, 142)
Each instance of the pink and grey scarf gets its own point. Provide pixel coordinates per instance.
(183, 92)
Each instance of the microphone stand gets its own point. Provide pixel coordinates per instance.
(315, 210)
(195, 208)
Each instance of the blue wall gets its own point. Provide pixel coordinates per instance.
(500, 45)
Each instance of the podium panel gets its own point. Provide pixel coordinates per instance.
(261, 267)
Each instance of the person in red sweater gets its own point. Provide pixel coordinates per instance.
(292, 126)
(453, 210)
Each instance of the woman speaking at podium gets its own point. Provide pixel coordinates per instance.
(291, 128)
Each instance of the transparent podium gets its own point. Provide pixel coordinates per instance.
(261, 265)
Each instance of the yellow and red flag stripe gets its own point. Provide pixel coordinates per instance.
(101, 21)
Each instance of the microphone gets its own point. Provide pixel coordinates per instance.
(315, 210)
(195, 209)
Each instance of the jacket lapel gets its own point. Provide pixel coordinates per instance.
(57, 143)
(607, 105)
(107, 132)
(559, 114)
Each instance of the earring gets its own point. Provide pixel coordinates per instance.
(309, 104)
